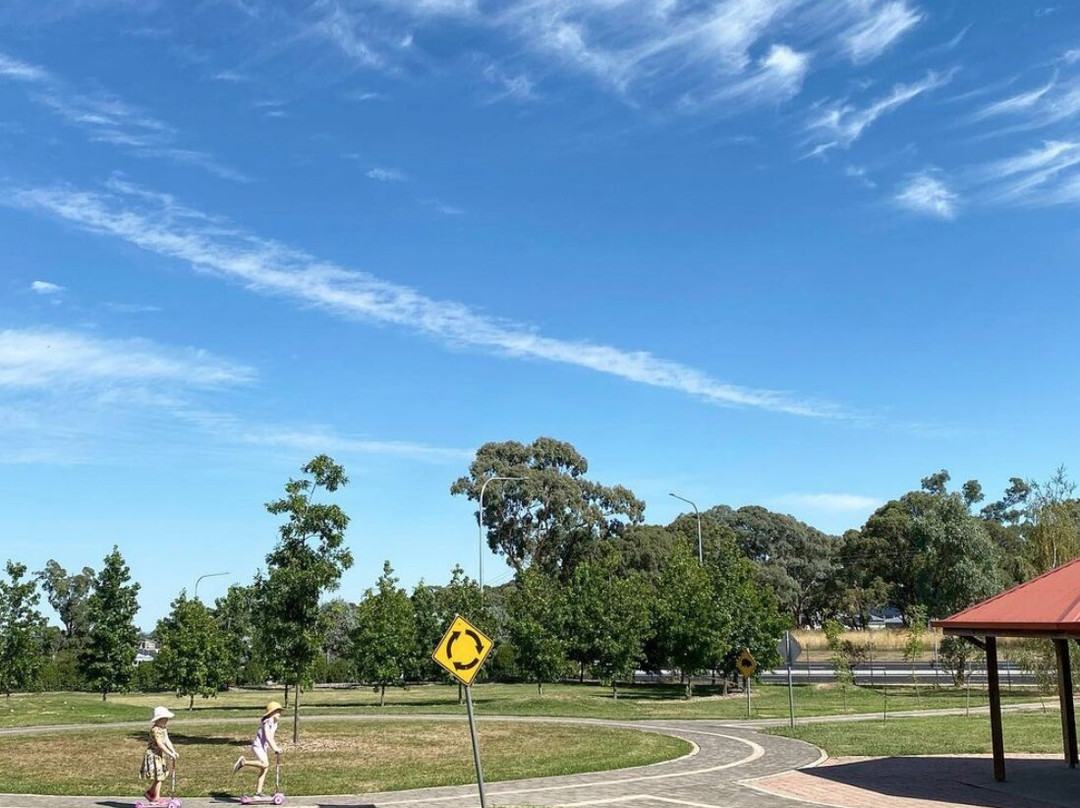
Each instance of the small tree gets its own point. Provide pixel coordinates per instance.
(22, 631)
(955, 653)
(108, 656)
(536, 623)
(233, 614)
(841, 658)
(609, 618)
(913, 646)
(307, 561)
(384, 641)
(687, 629)
(193, 653)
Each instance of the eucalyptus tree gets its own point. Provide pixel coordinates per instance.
(551, 515)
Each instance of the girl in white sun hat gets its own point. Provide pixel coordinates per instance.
(159, 750)
(263, 743)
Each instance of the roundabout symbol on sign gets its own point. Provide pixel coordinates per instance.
(462, 650)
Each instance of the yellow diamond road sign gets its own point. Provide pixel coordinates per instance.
(747, 664)
(462, 650)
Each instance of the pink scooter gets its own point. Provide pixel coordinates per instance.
(172, 802)
(277, 798)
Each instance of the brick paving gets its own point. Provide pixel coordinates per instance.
(732, 767)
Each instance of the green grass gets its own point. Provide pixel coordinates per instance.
(333, 757)
(1032, 732)
(566, 700)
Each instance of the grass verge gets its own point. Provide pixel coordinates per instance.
(1032, 732)
(651, 701)
(332, 757)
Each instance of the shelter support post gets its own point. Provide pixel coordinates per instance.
(1068, 708)
(994, 686)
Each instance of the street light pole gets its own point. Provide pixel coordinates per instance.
(208, 575)
(698, 515)
(480, 521)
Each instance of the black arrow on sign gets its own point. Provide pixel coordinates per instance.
(476, 639)
(450, 643)
(466, 666)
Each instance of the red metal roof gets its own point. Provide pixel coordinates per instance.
(1049, 604)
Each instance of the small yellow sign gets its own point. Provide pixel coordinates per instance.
(462, 650)
(746, 663)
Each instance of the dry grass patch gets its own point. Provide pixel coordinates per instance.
(332, 758)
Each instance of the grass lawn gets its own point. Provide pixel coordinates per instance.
(650, 701)
(1035, 732)
(333, 757)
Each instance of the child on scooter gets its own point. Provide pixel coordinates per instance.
(159, 750)
(263, 743)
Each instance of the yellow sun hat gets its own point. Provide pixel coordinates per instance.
(272, 707)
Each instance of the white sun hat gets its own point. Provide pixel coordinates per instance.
(160, 713)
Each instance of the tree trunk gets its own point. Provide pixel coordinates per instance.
(689, 688)
(104, 693)
(539, 688)
(614, 690)
(581, 672)
(382, 695)
(460, 694)
(286, 701)
(295, 715)
(191, 702)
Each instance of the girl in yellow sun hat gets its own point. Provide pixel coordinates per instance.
(261, 746)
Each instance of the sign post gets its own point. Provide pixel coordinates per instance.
(789, 650)
(461, 653)
(746, 665)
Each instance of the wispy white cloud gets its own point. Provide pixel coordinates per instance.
(15, 70)
(105, 118)
(46, 288)
(882, 25)
(386, 175)
(841, 124)
(156, 223)
(47, 358)
(678, 54)
(518, 87)
(322, 439)
(831, 503)
(68, 397)
(132, 308)
(1021, 102)
(927, 194)
(1048, 174)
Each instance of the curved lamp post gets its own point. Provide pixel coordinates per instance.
(698, 515)
(480, 520)
(208, 575)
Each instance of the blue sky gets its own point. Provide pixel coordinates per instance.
(781, 252)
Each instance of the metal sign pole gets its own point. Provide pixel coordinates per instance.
(475, 746)
(746, 679)
(790, 684)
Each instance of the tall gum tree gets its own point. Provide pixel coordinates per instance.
(553, 516)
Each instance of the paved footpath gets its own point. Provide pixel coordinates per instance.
(709, 777)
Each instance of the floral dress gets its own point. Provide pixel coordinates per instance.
(155, 765)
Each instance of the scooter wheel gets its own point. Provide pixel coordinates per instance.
(175, 804)
(279, 798)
